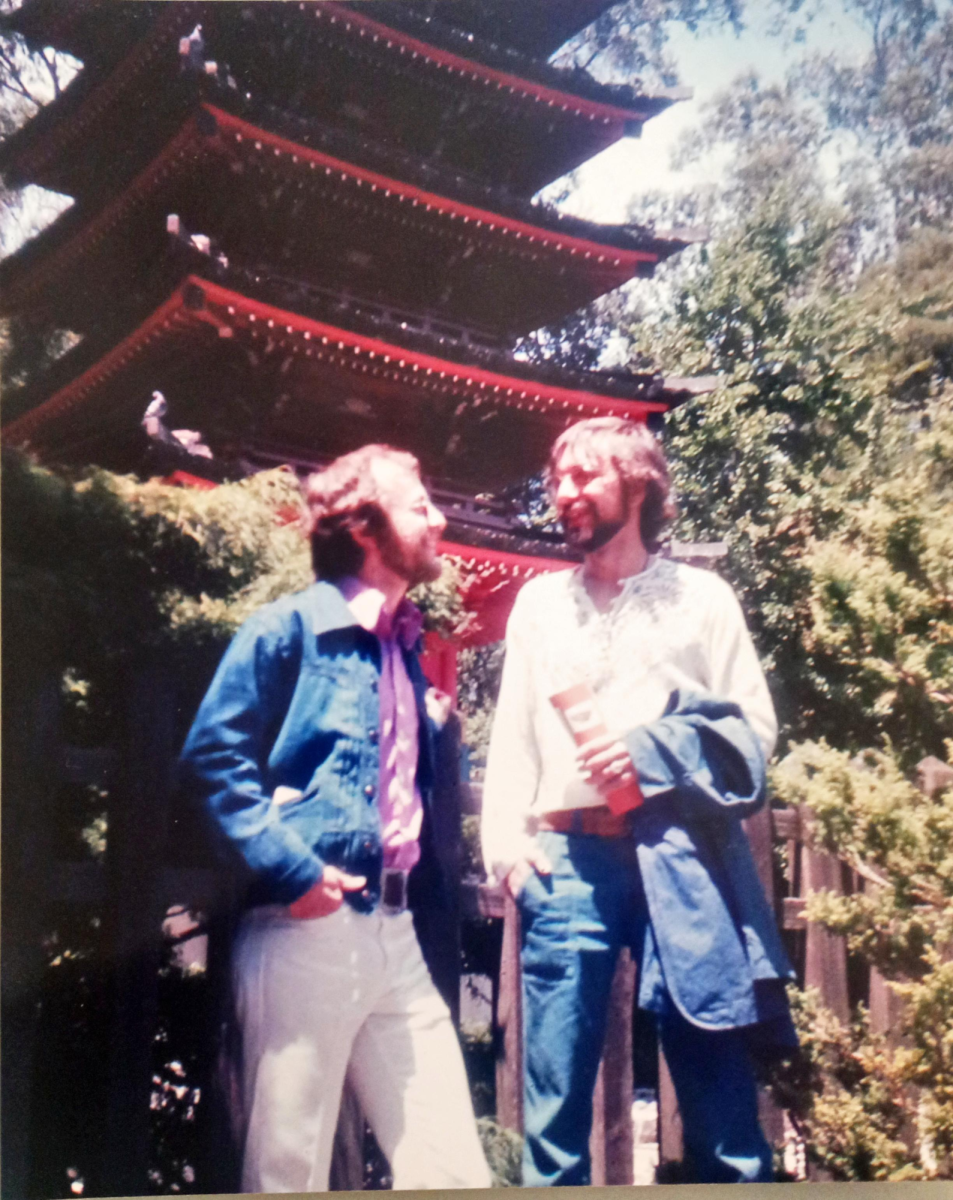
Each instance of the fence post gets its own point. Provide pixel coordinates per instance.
(825, 957)
(760, 832)
(610, 1143)
(30, 775)
(135, 844)
(671, 1144)
(509, 1023)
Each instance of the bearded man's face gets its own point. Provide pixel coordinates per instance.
(409, 541)
(591, 501)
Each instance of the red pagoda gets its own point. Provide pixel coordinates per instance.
(310, 226)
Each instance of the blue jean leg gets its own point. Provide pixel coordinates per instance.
(574, 922)
(718, 1100)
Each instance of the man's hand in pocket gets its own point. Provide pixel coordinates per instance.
(327, 895)
(536, 861)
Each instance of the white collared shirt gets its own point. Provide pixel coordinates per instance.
(672, 626)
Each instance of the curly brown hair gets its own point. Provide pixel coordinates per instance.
(345, 497)
(633, 452)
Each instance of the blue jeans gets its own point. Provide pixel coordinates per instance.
(574, 923)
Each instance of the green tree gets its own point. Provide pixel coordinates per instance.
(823, 460)
(894, 103)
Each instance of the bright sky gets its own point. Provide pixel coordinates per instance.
(707, 62)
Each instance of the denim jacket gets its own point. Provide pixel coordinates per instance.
(284, 751)
(701, 771)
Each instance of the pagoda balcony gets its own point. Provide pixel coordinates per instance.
(518, 127)
(245, 372)
(327, 221)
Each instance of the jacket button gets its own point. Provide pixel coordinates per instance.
(372, 736)
(366, 894)
(369, 790)
(367, 847)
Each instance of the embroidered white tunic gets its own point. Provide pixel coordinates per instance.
(672, 626)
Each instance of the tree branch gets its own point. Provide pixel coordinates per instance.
(54, 73)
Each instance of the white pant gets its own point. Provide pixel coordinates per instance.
(348, 994)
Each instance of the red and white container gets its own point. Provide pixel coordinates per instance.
(578, 708)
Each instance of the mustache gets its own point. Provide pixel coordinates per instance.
(576, 509)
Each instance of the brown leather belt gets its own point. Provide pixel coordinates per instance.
(590, 822)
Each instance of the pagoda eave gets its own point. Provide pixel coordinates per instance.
(333, 378)
(563, 121)
(480, 251)
(95, 31)
(533, 27)
(640, 108)
(489, 582)
(69, 125)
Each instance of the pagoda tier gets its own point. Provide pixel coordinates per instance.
(323, 219)
(251, 375)
(533, 27)
(92, 29)
(518, 128)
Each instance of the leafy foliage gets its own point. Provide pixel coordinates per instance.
(823, 460)
(101, 567)
(852, 1090)
(848, 1096)
(480, 668)
(630, 39)
(881, 601)
(504, 1152)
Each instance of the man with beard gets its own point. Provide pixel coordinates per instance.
(622, 825)
(315, 754)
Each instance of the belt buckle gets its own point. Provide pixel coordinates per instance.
(393, 891)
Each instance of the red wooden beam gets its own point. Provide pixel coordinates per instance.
(342, 346)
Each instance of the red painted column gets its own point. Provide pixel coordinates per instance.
(439, 663)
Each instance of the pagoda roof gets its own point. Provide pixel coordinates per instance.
(489, 582)
(53, 149)
(522, 127)
(417, 332)
(61, 162)
(98, 31)
(328, 220)
(303, 382)
(456, 46)
(400, 32)
(533, 27)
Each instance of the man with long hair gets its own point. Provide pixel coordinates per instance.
(622, 827)
(315, 755)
